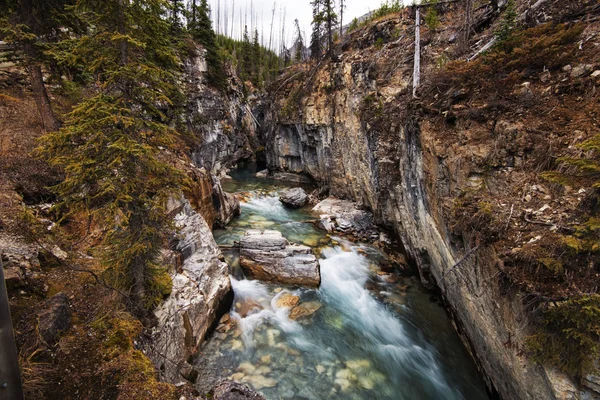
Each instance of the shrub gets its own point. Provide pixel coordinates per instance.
(570, 337)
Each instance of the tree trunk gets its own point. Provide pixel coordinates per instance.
(49, 120)
(122, 30)
(468, 24)
(137, 268)
(417, 66)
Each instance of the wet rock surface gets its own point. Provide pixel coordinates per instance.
(295, 198)
(268, 256)
(343, 216)
(290, 177)
(227, 390)
(201, 292)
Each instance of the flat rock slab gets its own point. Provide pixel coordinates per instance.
(268, 256)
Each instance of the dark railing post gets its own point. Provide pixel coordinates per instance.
(10, 375)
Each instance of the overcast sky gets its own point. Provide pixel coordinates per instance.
(292, 9)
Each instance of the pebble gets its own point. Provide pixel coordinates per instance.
(258, 382)
(320, 369)
(237, 377)
(263, 370)
(237, 345)
(266, 359)
(365, 382)
(246, 367)
(343, 383)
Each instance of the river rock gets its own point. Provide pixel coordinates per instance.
(343, 216)
(305, 310)
(226, 204)
(289, 177)
(227, 390)
(268, 256)
(295, 198)
(287, 300)
(262, 174)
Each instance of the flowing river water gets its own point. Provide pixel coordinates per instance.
(374, 334)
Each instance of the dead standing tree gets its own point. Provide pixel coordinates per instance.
(417, 66)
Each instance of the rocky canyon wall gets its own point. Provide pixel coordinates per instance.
(353, 127)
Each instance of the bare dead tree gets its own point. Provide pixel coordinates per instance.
(467, 24)
(417, 65)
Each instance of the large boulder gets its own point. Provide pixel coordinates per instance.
(343, 216)
(226, 390)
(268, 256)
(295, 198)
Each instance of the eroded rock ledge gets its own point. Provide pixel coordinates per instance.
(268, 256)
(201, 293)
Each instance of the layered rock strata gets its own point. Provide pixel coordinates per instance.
(268, 256)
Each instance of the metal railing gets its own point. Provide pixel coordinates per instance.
(10, 374)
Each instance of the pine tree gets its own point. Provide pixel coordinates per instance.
(299, 56)
(33, 27)
(246, 56)
(317, 30)
(330, 19)
(109, 144)
(508, 23)
(324, 23)
(200, 27)
(177, 9)
(256, 60)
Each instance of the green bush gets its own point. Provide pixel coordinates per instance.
(570, 337)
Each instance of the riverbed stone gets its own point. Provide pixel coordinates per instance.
(290, 177)
(262, 174)
(294, 198)
(305, 310)
(344, 216)
(227, 390)
(287, 300)
(268, 256)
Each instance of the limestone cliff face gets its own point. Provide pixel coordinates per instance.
(221, 121)
(201, 294)
(352, 126)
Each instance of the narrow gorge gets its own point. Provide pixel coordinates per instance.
(336, 232)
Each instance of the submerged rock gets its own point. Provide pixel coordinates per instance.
(305, 310)
(227, 390)
(295, 197)
(287, 300)
(268, 256)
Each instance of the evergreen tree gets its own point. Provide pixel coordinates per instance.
(200, 27)
(256, 61)
(508, 23)
(299, 56)
(317, 30)
(33, 27)
(109, 144)
(177, 9)
(330, 20)
(246, 56)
